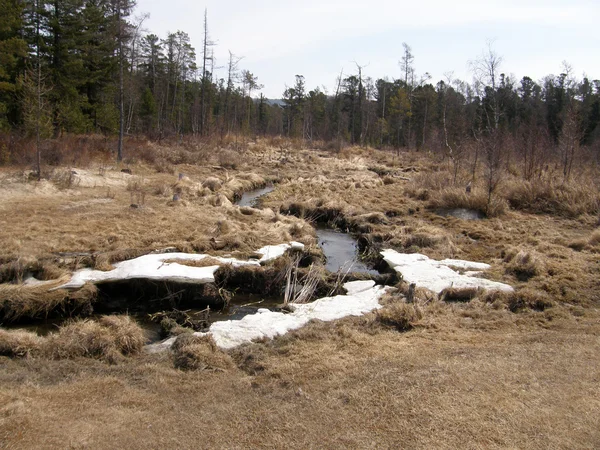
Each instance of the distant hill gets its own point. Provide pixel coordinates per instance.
(276, 101)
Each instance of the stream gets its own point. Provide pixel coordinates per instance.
(461, 213)
(341, 252)
(251, 198)
(340, 249)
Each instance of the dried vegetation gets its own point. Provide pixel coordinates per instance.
(523, 361)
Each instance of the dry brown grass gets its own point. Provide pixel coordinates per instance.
(17, 270)
(19, 343)
(400, 315)
(591, 243)
(450, 198)
(192, 352)
(109, 338)
(525, 264)
(462, 376)
(18, 301)
(212, 183)
(459, 294)
(522, 299)
(453, 381)
(551, 197)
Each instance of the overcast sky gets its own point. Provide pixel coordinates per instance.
(317, 38)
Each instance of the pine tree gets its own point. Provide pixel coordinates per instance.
(13, 50)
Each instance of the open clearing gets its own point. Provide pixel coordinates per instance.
(488, 371)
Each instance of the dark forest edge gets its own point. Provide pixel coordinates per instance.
(74, 67)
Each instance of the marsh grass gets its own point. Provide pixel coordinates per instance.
(524, 264)
(19, 343)
(355, 382)
(450, 198)
(192, 352)
(551, 197)
(109, 338)
(400, 315)
(19, 302)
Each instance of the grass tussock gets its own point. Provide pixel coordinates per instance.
(18, 269)
(32, 302)
(193, 352)
(110, 338)
(548, 197)
(591, 243)
(19, 343)
(421, 236)
(212, 183)
(457, 197)
(524, 264)
(459, 294)
(518, 301)
(399, 315)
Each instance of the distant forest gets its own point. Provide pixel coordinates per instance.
(86, 66)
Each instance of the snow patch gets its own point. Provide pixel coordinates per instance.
(271, 252)
(438, 275)
(154, 267)
(362, 297)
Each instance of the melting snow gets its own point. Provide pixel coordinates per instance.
(154, 267)
(438, 275)
(362, 297)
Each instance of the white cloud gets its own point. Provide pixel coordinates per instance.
(271, 33)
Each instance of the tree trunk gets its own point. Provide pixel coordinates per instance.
(121, 96)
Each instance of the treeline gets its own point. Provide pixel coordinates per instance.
(86, 66)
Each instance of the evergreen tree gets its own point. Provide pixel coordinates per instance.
(13, 51)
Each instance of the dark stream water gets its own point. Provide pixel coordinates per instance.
(240, 306)
(251, 198)
(340, 249)
(461, 213)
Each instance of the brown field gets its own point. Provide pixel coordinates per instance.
(490, 371)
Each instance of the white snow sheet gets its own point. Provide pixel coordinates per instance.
(271, 252)
(362, 297)
(154, 267)
(438, 275)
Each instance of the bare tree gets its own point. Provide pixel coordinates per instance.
(133, 61)
(569, 140)
(232, 75)
(494, 165)
(360, 101)
(486, 72)
(406, 64)
(250, 83)
(206, 46)
(122, 8)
